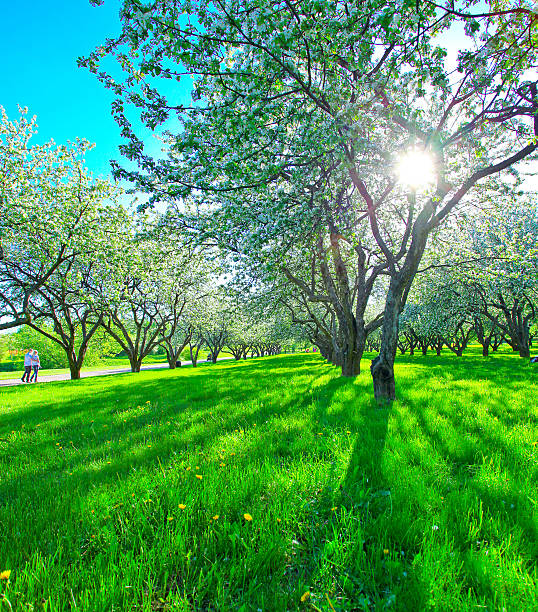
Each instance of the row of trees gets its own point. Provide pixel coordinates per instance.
(326, 143)
(75, 262)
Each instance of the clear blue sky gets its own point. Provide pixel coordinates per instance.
(39, 45)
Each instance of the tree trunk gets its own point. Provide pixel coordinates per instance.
(485, 348)
(75, 370)
(382, 367)
(351, 364)
(136, 363)
(524, 351)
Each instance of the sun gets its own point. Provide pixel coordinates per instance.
(416, 168)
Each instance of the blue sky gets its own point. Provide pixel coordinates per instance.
(39, 46)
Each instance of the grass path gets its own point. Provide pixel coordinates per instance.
(136, 492)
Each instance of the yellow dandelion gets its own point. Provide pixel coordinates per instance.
(199, 476)
(216, 517)
(232, 454)
(334, 508)
(385, 551)
(247, 516)
(278, 520)
(170, 518)
(222, 464)
(197, 467)
(305, 596)
(5, 575)
(348, 432)
(181, 506)
(188, 468)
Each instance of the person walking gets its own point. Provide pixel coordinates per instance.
(36, 364)
(27, 366)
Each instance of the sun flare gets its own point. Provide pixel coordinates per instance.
(416, 168)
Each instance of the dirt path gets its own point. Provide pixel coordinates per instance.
(12, 382)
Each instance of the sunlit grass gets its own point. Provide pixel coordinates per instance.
(431, 504)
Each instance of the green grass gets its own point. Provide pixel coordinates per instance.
(430, 504)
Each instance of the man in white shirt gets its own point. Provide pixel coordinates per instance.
(27, 366)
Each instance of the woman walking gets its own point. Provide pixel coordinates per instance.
(36, 364)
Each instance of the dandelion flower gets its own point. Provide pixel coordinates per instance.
(199, 476)
(278, 520)
(216, 517)
(247, 516)
(334, 508)
(170, 518)
(222, 464)
(182, 506)
(305, 596)
(385, 551)
(5, 575)
(188, 468)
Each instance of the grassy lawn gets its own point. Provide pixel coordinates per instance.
(248, 486)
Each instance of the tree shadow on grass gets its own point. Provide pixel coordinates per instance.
(405, 475)
(195, 413)
(101, 395)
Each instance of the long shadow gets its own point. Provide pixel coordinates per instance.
(192, 408)
(135, 388)
(380, 570)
